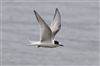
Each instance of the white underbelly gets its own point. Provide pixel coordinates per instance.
(48, 45)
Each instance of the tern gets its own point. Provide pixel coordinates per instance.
(47, 34)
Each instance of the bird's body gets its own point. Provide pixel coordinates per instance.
(47, 34)
(43, 44)
(48, 45)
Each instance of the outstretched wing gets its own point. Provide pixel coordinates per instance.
(56, 25)
(45, 31)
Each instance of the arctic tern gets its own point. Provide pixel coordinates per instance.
(47, 34)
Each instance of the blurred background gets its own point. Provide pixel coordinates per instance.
(79, 33)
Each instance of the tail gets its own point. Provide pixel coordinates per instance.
(32, 43)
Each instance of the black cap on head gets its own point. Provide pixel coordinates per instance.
(56, 42)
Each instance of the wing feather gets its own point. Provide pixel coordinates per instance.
(56, 25)
(45, 31)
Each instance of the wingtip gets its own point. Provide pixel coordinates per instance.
(57, 9)
(35, 11)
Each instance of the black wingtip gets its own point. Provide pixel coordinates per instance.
(35, 12)
(57, 9)
(36, 15)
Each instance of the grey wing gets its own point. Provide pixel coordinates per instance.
(45, 31)
(56, 25)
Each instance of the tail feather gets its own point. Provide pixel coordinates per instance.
(32, 43)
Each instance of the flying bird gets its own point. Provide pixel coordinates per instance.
(47, 34)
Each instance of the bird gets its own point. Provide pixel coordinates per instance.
(47, 33)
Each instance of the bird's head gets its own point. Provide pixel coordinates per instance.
(57, 43)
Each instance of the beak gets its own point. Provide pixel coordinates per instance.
(61, 45)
